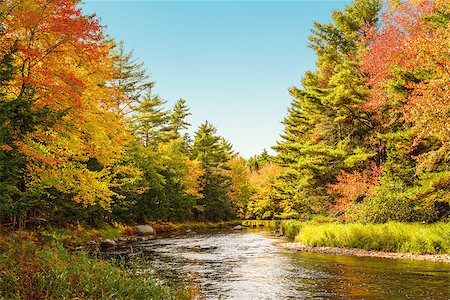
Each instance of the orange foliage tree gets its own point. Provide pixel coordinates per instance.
(62, 56)
(353, 187)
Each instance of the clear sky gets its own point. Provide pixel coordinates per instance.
(232, 61)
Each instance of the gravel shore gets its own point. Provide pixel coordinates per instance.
(361, 252)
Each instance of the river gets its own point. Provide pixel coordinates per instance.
(248, 265)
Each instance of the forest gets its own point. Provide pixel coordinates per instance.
(84, 139)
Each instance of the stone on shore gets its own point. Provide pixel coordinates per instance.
(144, 230)
(237, 227)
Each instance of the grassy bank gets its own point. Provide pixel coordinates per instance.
(393, 236)
(32, 270)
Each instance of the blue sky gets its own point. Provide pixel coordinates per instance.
(232, 61)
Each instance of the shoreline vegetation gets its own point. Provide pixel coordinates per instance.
(390, 240)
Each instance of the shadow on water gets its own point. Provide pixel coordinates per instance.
(247, 265)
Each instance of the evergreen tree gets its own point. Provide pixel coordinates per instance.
(208, 147)
(151, 120)
(213, 153)
(131, 80)
(177, 119)
(258, 161)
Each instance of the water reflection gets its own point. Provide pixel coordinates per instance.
(248, 266)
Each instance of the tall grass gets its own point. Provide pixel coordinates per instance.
(392, 236)
(290, 228)
(32, 271)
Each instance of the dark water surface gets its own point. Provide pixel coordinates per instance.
(247, 265)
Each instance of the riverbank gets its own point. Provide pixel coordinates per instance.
(393, 239)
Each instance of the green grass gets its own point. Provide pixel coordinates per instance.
(392, 236)
(29, 270)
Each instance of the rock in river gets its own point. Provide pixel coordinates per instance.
(144, 230)
(237, 227)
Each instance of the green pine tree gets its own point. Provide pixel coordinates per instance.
(213, 152)
(177, 119)
(131, 80)
(151, 120)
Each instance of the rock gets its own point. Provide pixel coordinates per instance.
(144, 230)
(237, 227)
(188, 230)
(108, 243)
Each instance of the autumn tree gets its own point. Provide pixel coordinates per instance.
(240, 189)
(62, 63)
(261, 204)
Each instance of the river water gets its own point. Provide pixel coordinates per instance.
(248, 265)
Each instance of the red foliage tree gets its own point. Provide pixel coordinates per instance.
(355, 186)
